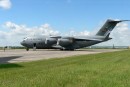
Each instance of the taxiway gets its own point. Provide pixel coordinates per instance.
(13, 56)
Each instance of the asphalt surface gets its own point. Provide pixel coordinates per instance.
(13, 56)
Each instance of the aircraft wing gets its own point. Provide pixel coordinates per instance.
(55, 36)
(77, 38)
(86, 39)
(82, 39)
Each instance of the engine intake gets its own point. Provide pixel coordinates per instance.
(50, 41)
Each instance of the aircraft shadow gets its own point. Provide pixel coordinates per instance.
(4, 60)
(62, 50)
(87, 50)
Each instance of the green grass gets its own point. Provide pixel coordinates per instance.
(97, 70)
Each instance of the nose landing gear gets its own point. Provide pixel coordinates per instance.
(27, 49)
(34, 46)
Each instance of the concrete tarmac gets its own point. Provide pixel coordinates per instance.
(18, 55)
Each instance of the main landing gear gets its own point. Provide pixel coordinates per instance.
(67, 49)
(34, 47)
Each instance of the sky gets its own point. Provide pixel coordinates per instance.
(22, 18)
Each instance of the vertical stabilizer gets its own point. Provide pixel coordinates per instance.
(108, 27)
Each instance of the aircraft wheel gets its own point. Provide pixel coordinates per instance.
(27, 49)
(61, 49)
(34, 48)
(69, 49)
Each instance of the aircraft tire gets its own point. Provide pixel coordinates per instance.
(61, 49)
(27, 49)
(69, 49)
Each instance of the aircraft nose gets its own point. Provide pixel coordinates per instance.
(22, 43)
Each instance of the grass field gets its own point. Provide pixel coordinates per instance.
(96, 70)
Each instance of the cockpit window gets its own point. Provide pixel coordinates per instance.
(25, 39)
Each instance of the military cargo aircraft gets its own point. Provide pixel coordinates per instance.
(71, 42)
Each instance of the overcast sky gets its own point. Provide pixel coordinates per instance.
(22, 18)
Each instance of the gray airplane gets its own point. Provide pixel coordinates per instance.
(71, 43)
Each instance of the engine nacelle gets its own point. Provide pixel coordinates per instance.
(64, 42)
(50, 41)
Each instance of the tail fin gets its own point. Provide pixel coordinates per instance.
(108, 27)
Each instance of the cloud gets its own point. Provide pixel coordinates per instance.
(5, 4)
(24, 30)
(74, 33)
(14, 34)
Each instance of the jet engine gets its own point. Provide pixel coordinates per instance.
(64, 42)
(50, 41)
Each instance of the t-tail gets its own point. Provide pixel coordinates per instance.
(108, 27)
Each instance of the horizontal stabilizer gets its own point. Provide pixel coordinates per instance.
(123, 20)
